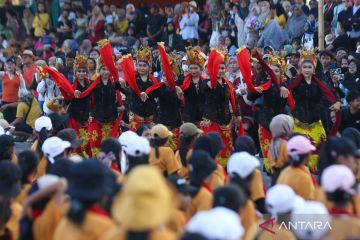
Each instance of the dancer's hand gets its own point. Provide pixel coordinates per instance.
(144, 96)
(259, 90)
(77, 94)
(336, 107)
(284, 92)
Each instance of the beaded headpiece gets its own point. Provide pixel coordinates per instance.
(276, 59)
(144, 54)
(194, 56)
(81, 61)
(223, 52)
(174, 65)
(308, 56)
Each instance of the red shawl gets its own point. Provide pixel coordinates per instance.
(127, 66)
(214, 61)
(166, 67)
(187, 81)
(327, 93)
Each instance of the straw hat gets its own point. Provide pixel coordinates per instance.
(145, 201)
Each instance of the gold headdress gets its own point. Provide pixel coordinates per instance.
(308, 56)
(81, 61)
(99, 63)
(223, 52)
(194, 56)
(144, 54)
(276, 59)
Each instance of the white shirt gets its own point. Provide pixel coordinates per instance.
(48, 90)
(353, 33)
(189, 26)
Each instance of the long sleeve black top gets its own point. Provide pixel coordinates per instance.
(79, 109)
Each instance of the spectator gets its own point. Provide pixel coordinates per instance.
(204, 25)
(172, 39)
(189, 23)
(121, 23)
(64, 27)
(352, 23)
(169, 13)
(337, 9)
(305, 9)
(308, 39)
(29, 68)
(110, 32)
(265, 14)
(27, 20)
(230, 45)
(155, 25)
(329, 15)
(350, 116)
(109, 18)
(252, 26)
(241, 13)
(28, 110)
(96, 25)
(80, 25)
(295, 24)
(131, 15)
(342, 40)
(352, 77)
(3, 41)
(41, 20)
(287, 8)
(13, 24)
(280, 15)
(12, 83)
(313, 8)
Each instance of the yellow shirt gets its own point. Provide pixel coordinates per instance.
(344, 227)
(156, 234)
(93, 228)
(40, 23)
(201, 202)
(280, 234)
(299, 180)
(166, 161)
(218, 178)
(256, 186)
(281, 20)
(35, 112)
(248, 217)
(184, 170)
(122, 26)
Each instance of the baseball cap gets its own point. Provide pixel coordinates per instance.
(53, 147)
(201, 165)
(160, 131)
(43, 122)
(189, 129)
(218, 223)
(126, 138)
(311, 211)
(338, 177)
(299, 145)
(281, 199)
(138, 146)
(342, 146)
(182, 185)
(242, 163)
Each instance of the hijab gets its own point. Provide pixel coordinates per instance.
(244, 12)
(295, 24)
(280, 126)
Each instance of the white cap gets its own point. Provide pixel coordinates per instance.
(47, 180)
(337, 177)
(138, 146)
(126, 138)
(218, 223)
(2, 131)
(281, 199)
(311, 211)
(242, 163)
(53, 147)
(43, 122)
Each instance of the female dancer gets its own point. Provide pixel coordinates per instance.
(308, 91)
(218, 93)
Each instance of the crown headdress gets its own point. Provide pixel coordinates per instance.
(144, 54)
(308, 56)
(194, 56)
(276, 59)
(223, 52)
(173, 63)
(81, 61)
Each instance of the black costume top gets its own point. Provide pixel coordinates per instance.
(105, 102)
(273, 105)
(217, 103)
(193, 108)
(79, 109)
(140, 108)
(168, 112)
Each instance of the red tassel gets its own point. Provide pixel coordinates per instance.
(106, 53)
(127, 66)
(214, 61)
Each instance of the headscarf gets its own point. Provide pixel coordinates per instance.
(244, 12)
(311, 24)
(295, 24)
(280, 126)
(273, 36)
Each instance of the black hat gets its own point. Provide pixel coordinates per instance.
(201, 165)
(11, 60)
(229, 196)
(69, 134)
(343, 146)
(203, 143)
(245, 144)
(217, 143)
(88, 181)
(10, 175)
(182, 185)
(353, 135)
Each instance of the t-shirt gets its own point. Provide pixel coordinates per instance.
(155, 22)
(341, 41)
(35, 112)
(166, 161)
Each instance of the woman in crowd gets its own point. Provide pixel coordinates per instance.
(96, 25)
